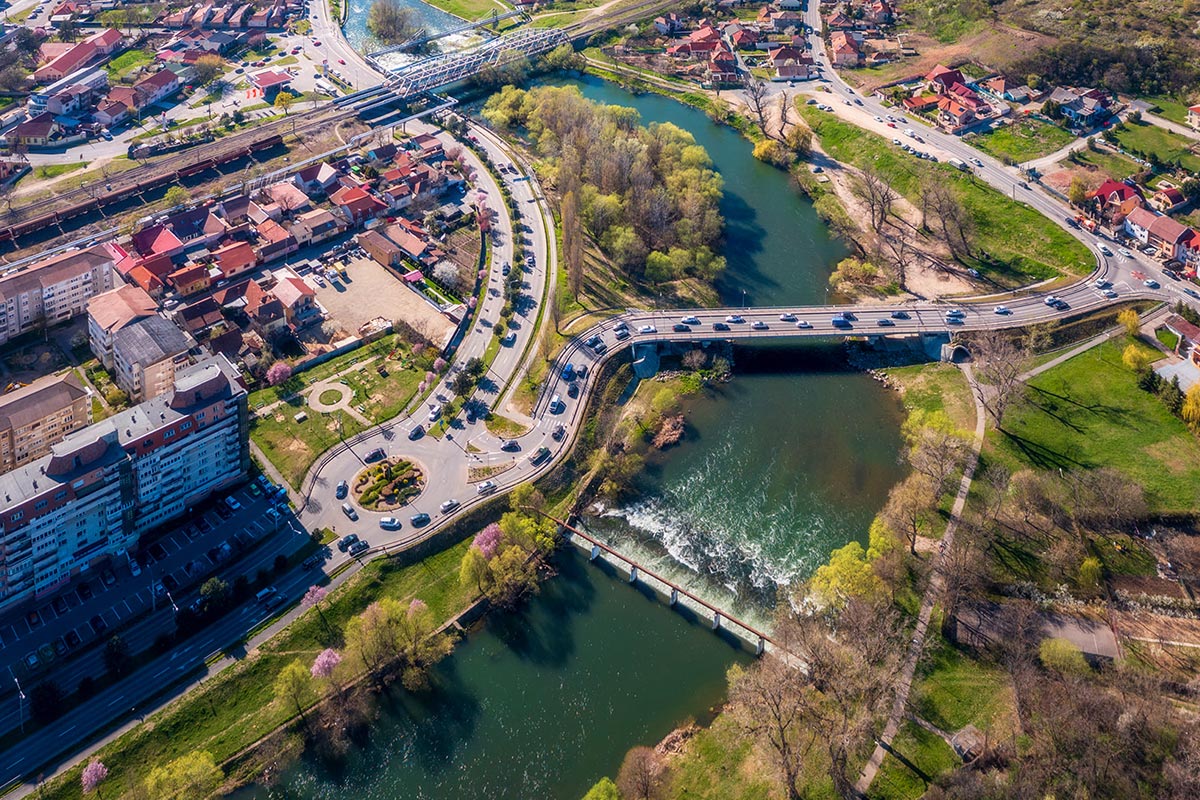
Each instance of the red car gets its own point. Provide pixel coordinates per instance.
(891, 124)
(316, 43)
(342, 61)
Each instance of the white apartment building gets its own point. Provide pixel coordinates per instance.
(53, 290)
(100, 489)
(146, 355)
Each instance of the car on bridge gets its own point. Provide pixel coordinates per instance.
(885, 322)
(787, 317)
(389, 523)
(487, 487)
(647, 329)
(1110, 294)
(690, 320)
(841, 322)
(358, 548)
(735, 318)
(621, 333)
(559, 432)
(568, 372)
(956, 312)
(805, 324)
(539, 455)
(1002, 310)
(720, 326)
(759, 325)
(900, 315)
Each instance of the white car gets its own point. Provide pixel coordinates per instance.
(434, 412)
(1001, 310)
(690, 320)
(1125, 252)
(977, 162)
(735, 318)
(389, 523)
(647, 329)
(1050, 300)
(448, 506)
(759, 325)
(804, 324)
(487, 487)
(1110, 294)
(878, 119)
(956, 312)
(787, 317)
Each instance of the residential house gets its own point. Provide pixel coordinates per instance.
(954, 115)
(316, 178)
(147, 354)
(196, 226)
(111, 113)
(1084, 108)
(357, 205)
(38, 131)
(699, 44)
(35, 417)
(1137, 224)
(290, 198)
(265, 311)
(668, 24)
(790, 63)
(839, 20)
(383, 154)
(380, 248)
(744, 39)
(1189, 336)
(1193, 116)
(316, 226)
(844, 51)
(429, 145)
(1169, 237)
(111, 311)
(274, 241)
(782, 21)
(1115, 200)
(199, 316)
(235, 258)
(1189, 252)
(1168, 200)
(880, 12)
(146, 280)
(921, 103)
(299, 300)
(156, 87)
(723, 69)
(157, 240)
(414, 243)
(1007, 89)
(53, 290)
(192, 279)
(941, 78)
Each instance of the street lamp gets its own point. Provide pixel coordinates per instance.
(20, 700)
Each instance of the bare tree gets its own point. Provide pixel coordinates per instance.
(767, 702)
(936, 450)
(873, 190)
(572, 233)
(944, 214)
(999, 363)
(755, 91)
(641, 775)
(785, 108)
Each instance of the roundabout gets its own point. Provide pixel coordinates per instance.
(326, 397)
(388, 484)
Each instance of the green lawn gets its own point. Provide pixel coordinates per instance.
(947, 22)
(293, 446)
(714, 767)
(1169, 340)
(470, 10)
(127, 62)
(58, 170)
(236, 708)
(927, 751)
(952, 691)
(1114, 165)
(936, 387)
(1021, 245)
(1169, 146)
(333, 366)
(1024, 140)
(1169, 108)
(1088, 412)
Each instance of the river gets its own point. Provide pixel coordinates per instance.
(781, 465)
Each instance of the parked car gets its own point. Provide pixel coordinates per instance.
(343, 489)
(358, 548)
(85, 591)
(347, 540)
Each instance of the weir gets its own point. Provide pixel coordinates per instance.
(756, 638)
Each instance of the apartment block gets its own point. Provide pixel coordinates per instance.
(34, 417)
(53, 290)
(146, 355)
(103, 487)
(112, 311)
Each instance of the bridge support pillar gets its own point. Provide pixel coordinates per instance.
(595, 552)
(633, 574)
(674, 596)
(716, 620)
(760, 647)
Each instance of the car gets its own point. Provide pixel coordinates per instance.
(954, 320)
(170, 582)
(787, 317)
(419, 519)
(107, 136)
(804, 324)
(274, 515)
(539, 455)
(318, 280)
(720, 326)
(85, 591)
(1150, 283)
(233, 504)
(690, 320)
(1062, 305)
(32, 662)
(342, 61)
(98, 624)
(72, 639)
(1109, 293)
(349, 511)
(1023, 184)
(556, 404)
(885, 322)
(358, 548)
(487, 487)
(1071, 222)
(1149, 249)
(1192, 293)
(347, 540)
(376, 455)
(1103, 248)
(898, 143)
(1002, 310)
(840, 322)
(891, 124)
(510, 446)
(679, 327)
(621, 326)
(621, 333)
(847, 102)
(254, 490)
(60, 605)
(507, 268)
(878, 118)
(135, 569)
(1125, 252)
(343, 489)
(899, 315)
(573, 390)
(389, 523)
(735, 318)
(558, 433)
(416, 433)
(759, 325)
(448, 506)
(977, 162)
(594, 340)
(316, 43)
(435, 411)
(956, 312)
(159, 589)
(1050, 300)
(108, 577)
(1172, 274)
(647, 329)
(599, 348)
(857, 102)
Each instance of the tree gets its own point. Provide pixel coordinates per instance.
(116, 655)
(177, 196)
(572, 233)
(190, 776)
(284, 100)
(208, 69)
(312, 599)
(772, 152)
(934, 447)
(954, 224)
(214, 592)
(998, 373)
(292, 684)
(878, 196)
(641, 774)
(766, 701)
(325, 664)
(848, 574)
(604, 789)
(1129, 320)
(1089, 572)
(799, 140)
(755, 91)
(1135, 358)
(1062, 656)
(908, 507)
(93, 775)
(279, 372)
(1191, 408)
(1077, 192)
(391, 22)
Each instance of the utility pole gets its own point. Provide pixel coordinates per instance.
(20, 700)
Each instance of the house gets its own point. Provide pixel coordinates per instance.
(744, 39)
(264, 310)
(953, 115)
(1193, 116)
(157, 240)
(790, 63)
(150, 283)
(1189, 336)
(288, 197)
(380, 248)
(299, 301)
(1137, 224)
(921, 102)
(199, 316)
(1083, 108)
(843, 50)
(111, 113)
(879, 12)
(111, 311)
(235, 258)
(156, 87)
(76, 58)
(189, 280)
(1168, 200)
(316, 178)
(37, 131)
(968, 97)
(269, 82)
(1007, 89)
(106, 42)
(414, 243)
(356, 205)
(70, 101)
(941, 78)
(146, 355)
(669, 24)
(429, 145)
(1115, 199)
(839, 20)
(316, 226)
(1189, 252)
(786, 20)
(383, 154)
(1168, 236)
(273, 241)
(196, 226)
(723, 69)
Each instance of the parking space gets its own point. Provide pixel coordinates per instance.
(168, 567)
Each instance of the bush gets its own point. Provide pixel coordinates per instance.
(1062, 656)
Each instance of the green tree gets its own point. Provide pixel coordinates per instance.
(177, 196)
(604, 789)
(208, 69)
(772, 152)
(1063, 657)
(1090, 572)
(847, 575)
(188, 777)
(799, 140)
(214, 591)
(292, 683)
(1191, 408)
(1077, 192)
(1130, 321)
(1135, 358)
(284, 100)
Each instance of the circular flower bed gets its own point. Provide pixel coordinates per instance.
(388, 484)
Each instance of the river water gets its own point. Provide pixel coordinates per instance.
(783, 464)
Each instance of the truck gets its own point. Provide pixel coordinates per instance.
(958, 163)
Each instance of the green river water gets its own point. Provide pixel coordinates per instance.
(781, 465)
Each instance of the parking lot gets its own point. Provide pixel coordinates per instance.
(170, 568)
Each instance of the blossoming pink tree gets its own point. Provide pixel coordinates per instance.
(93, 775)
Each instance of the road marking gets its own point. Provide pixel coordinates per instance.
(66, 731)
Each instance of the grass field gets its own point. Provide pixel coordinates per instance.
(936, 387)
(127, 62)
(953, 691)
(1088, 412)
(1021, 245)
(293, 446)
(927, 751)
(1114, 165)
(947, 22)
(1167, 145)
(1170, 108)
(1024, 140)
(469, 10)
(236, 708)
(58, 170)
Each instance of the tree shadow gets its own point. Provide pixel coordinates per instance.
(1041, 456)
